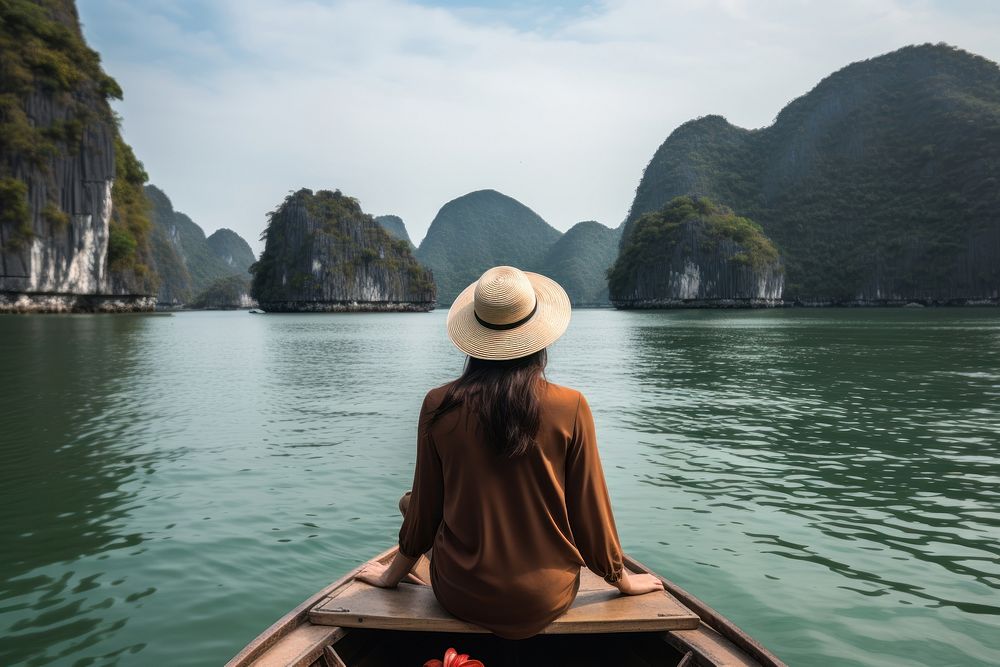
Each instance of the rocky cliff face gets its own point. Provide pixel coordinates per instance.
(695, 254)
(323, 253)
(73, 225)
(879, 186)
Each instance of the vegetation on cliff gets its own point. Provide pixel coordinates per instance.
(655, 237)
(394, 225)
(14, 211)
(128, 231)
(881, 183)
(232, 249)
(579, 261)
(44, 52)
(322, 251)
(480, 230)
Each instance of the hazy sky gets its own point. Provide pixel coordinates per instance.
(231, 104)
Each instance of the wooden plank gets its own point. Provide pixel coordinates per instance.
(686, 660)
(607, 610)
(710, 647)
(598, 608)
(404, 608)
(591, 582)
(588, 580)
(332, 658)
(300, 647)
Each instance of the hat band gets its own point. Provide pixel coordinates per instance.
(505, 327)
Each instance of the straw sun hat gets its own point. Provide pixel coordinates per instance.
(508, 313)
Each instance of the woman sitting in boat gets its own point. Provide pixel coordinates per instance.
(508, 488)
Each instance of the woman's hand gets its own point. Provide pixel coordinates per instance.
(387, 576)
(637, 584)
(374, 573)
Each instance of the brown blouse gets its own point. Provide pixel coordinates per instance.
(510, 535)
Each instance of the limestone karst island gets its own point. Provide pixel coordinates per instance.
(492, 333)
(323, 253)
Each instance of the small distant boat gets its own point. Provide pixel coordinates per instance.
(350, 623)
(257, 311)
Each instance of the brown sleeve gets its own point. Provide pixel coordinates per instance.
(590, 515)
(423, 516)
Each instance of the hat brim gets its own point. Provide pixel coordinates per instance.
(549, 322)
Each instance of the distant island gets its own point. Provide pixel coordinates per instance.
(487, 228)
(696, 254)
(196, 271)
(323, 253)
(479, 230)
(880, 186)
(579, 260)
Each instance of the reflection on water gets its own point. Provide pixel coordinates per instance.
(66, 459)
(171, 485)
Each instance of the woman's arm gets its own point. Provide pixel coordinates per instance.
(590, 515)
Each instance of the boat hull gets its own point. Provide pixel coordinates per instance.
(295, 641)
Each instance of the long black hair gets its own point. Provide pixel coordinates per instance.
(504, 395)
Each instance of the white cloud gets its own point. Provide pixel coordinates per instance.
(406, 106)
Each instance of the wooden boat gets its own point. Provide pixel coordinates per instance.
(349, 624)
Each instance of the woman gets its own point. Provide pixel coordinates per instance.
(508, 487)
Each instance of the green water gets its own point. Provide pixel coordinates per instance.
(170, 485)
